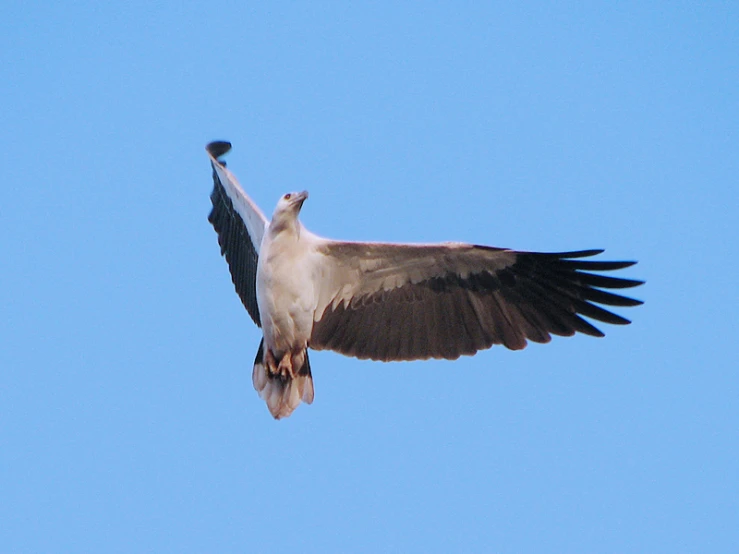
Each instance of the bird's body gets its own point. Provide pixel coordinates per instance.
(286, 266)
(287, 302)
(388, 301)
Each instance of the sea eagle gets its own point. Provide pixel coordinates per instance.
(388, 301)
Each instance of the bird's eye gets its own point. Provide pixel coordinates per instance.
(287, 196)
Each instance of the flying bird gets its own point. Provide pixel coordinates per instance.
(388, 301)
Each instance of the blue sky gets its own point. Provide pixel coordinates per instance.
(128, 422)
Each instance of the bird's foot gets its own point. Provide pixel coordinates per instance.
(285, 369)
(270, 363)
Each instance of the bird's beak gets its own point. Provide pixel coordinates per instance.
(300, 198)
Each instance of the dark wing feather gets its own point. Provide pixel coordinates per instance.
(403, 307)
(234, 238)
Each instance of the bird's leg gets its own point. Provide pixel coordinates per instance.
(271, 363)
(298, 360)
(286, 366)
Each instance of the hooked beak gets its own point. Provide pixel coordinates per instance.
(300, 197)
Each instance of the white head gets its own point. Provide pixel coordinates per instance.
(287, 210)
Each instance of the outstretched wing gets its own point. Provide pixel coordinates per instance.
(407, 302)
(240, 226)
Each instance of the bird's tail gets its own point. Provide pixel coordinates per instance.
(283, 391)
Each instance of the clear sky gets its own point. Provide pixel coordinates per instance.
(128, 421)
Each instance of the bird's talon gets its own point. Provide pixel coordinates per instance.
(270, 363)
(286, 367)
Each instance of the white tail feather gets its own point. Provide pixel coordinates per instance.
(282, 396)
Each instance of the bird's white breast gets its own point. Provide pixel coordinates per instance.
(285, 292)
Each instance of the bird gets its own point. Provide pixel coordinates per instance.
(392, 301)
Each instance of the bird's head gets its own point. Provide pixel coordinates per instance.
(288, 208)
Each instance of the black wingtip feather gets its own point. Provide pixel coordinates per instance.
(218, 148)
(595, 266)
(571, 285)
(567, 255)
